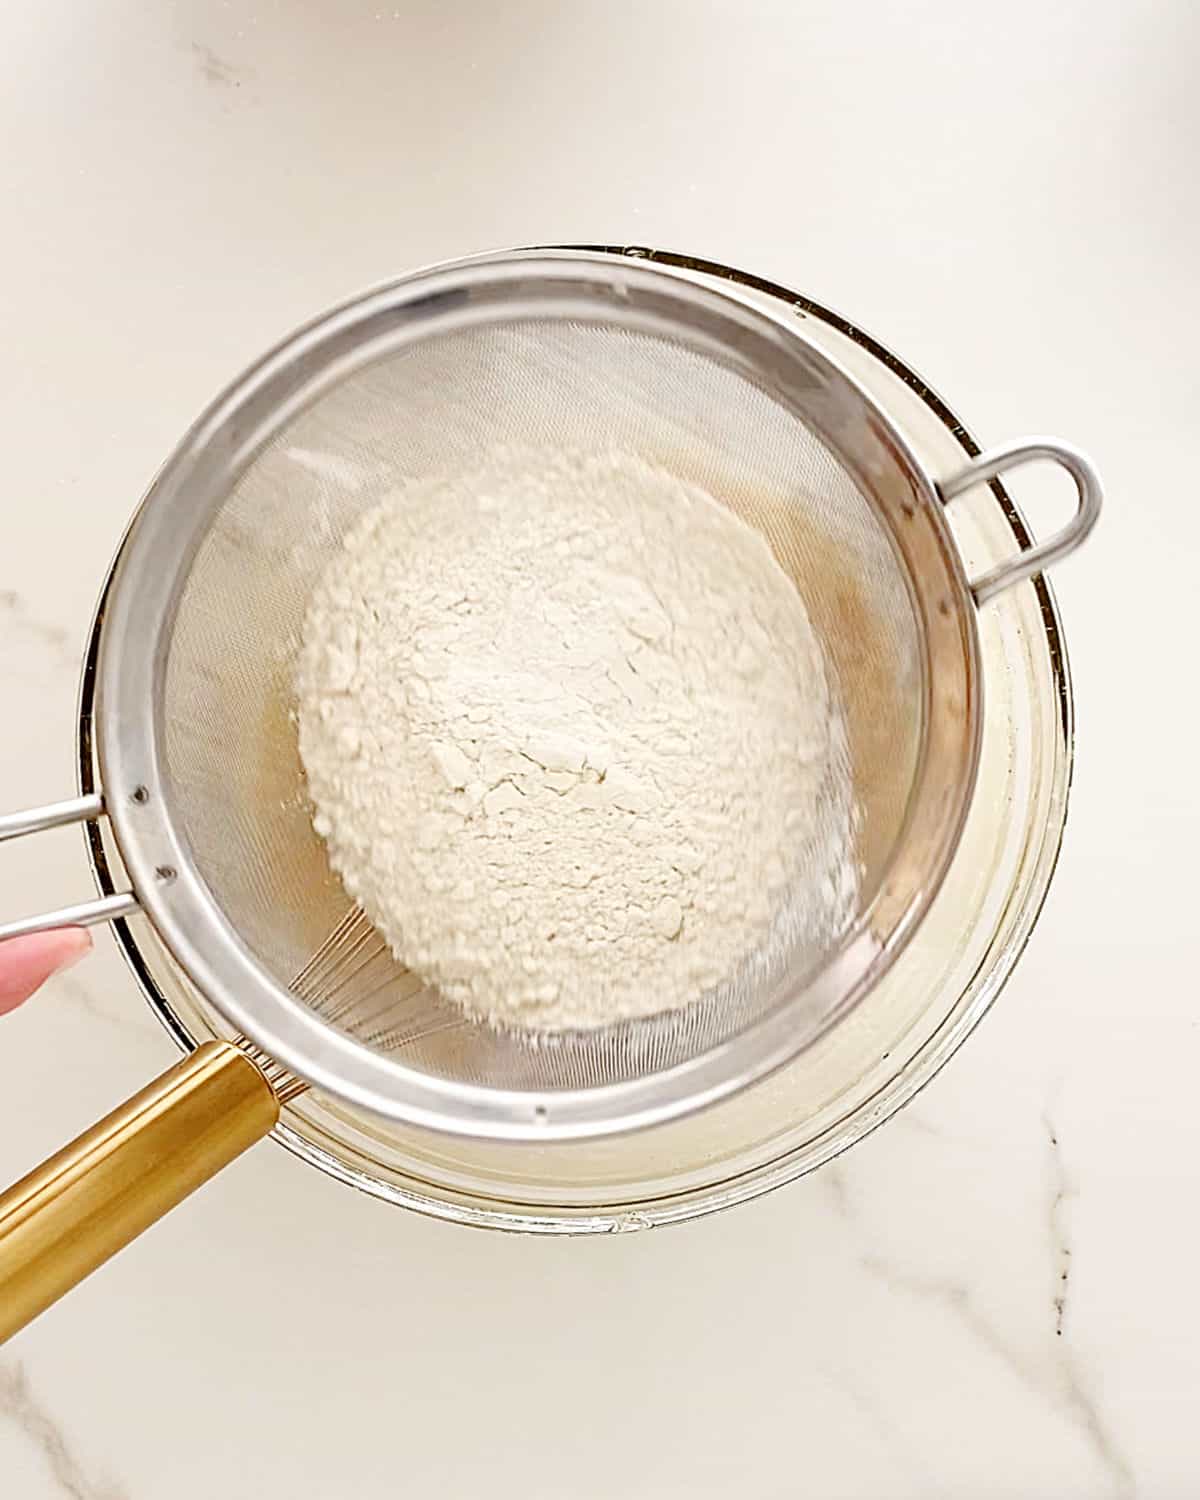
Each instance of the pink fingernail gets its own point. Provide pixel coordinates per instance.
(76, 951)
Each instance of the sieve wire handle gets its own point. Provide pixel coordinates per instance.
(70, 1215)
(84, 913)
(989, 465)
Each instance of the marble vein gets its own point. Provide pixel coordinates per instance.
(919, 1125)
(20, 1406)
(17, 617)
(1078, 1398)
(126, 1018)
(214, 68)
(1059, 1194)
(1063, 1377)
(891, 1434)
(833, 1175)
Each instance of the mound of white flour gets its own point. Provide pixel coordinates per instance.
(569, 738)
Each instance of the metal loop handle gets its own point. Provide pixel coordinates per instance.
(1034, 559)
(85, 913)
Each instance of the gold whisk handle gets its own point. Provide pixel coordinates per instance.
(68, 1216)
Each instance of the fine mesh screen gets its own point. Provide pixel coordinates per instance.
(228, 708)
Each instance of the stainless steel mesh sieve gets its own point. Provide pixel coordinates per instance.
(195, 727)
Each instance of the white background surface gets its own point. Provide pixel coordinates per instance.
(1005, 194)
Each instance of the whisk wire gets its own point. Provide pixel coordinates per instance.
(352, 981)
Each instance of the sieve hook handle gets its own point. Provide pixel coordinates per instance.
(993, 462)
(85, 913)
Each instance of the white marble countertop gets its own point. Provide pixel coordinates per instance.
(995, 1295)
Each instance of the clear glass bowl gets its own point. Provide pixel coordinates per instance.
(868, 1066)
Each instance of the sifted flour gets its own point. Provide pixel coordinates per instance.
(570, 739)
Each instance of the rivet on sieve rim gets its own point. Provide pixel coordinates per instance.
(140, 795)
(165, 873)
(639, 251)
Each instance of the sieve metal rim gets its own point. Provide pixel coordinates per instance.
(146, 588)
(967, 1011)
(1021, 911)
(171, 890)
